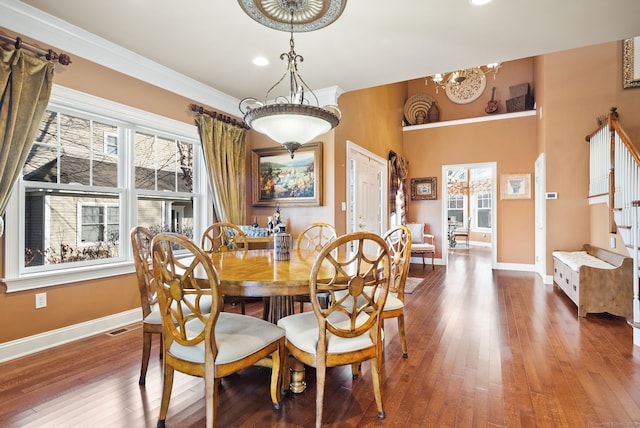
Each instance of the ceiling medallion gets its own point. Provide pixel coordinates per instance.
(308, 15)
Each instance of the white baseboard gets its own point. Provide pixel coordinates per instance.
(49, 339)
(516, 266)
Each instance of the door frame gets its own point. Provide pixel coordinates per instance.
(494, 208)
(540, 189)
(353, 148)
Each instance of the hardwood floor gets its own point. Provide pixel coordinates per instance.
(486, 349)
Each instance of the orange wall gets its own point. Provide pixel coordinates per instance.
(510, 143)
(371, 118)
(579, 85)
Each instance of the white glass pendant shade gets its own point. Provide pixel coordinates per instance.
(291, 123)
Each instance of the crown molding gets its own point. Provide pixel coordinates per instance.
(35, 24)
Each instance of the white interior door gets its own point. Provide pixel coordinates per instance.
(366, 191)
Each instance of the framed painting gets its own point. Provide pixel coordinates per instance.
(515, 186)
(631, 63)
(423, 188)
(279, 179)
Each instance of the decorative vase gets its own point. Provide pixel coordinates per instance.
(282, 245)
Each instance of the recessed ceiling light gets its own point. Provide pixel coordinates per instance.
(479, 2)
(260, 61)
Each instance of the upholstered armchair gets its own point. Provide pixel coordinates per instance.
(422, 243)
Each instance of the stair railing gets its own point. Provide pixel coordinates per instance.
(614, 170)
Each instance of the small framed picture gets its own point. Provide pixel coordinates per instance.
(423, 188)
(515, 186)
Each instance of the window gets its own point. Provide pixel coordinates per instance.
(483, 210)
(96, 169)
(456, 208)
(111, 143)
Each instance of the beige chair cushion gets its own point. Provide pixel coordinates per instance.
(237, 336)
(302, 332)
(422, 247)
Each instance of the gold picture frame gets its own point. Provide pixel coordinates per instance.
(423, 188)
(631, 63)
(279, 179)
(515, 186)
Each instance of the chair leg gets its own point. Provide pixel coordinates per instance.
(403, 339)
(278, 359)
(146, 353)
(210, 395)
(321, 370)
(355, 370)
(376, 371)
(166, 395)
(433, 256)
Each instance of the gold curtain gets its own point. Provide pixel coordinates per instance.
(26, 83)
(223, 145)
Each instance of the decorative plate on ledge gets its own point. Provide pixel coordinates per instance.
(416, 108)
(469, 89)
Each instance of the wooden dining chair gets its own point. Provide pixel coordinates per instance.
(151, 322)
(222, 237)
(398, 240)
(314, 237)
(347, 332)
(209, 345)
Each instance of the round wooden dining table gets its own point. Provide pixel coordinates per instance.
(256, 273)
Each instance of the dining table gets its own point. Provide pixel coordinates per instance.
(257, 273)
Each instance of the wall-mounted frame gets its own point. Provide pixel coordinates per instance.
(515, 186)
(631, 63)
(423, 188)
(279, 179)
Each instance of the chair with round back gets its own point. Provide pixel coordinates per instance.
(208, 345)
(314, 237)
(151, 323)
(222, 237)
(398, 240)
(349, 331)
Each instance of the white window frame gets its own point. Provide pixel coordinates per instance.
(477, 208)
(17, 278)
(104, 221)
(464, 207)
(109, 148)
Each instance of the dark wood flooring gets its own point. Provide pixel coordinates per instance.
(486, 349)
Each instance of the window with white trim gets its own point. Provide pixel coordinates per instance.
(111, 143)
(456, 208)
(483, 211)
(95, 170)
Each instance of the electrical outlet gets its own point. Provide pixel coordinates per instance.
(41, 300)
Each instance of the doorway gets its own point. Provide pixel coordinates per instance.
(469, 204)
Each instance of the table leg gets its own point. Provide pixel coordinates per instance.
(279, 307)
(297, 384)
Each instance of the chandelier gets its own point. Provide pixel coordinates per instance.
(458, 77)
(295, 117)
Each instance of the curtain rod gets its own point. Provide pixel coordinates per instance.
(49, 54)
(219, 116)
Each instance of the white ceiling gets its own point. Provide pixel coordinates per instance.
(374, 42)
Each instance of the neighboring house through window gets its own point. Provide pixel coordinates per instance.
(95, 170)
